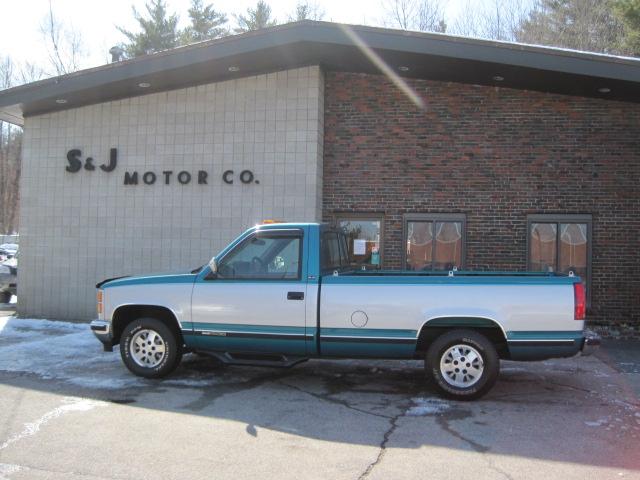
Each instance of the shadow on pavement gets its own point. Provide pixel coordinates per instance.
(575, 410)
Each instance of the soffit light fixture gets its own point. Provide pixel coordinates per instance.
(498, 78)
(403, 69)
(604, 90)
(234, 69)
(144, 84)
(61, 101)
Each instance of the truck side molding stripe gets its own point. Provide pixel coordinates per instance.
(408, 341)
(542, 343)
(264, 335)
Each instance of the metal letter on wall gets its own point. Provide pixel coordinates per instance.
(73, 157)
(113, 161)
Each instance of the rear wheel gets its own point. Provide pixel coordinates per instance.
(149, 348)
(5, 297)
(462, 364)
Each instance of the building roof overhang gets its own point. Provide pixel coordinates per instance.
(335, 47)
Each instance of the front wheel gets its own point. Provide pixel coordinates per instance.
(149, 348)
(463, 364)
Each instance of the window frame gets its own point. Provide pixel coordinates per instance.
(282, 233)
(363, 217)
(434, 217)
(559, 218)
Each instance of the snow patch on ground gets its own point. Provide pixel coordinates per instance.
(62, 351)
(597, 423)
(70, 404)
(7, 469)
(188, 382)
(427, 406)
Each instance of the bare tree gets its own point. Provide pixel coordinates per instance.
(29, 72)
(493, 19)
(431, 17)
(423, 15)
(63, 43)
(10, 153)
(400, 13)
(466, 24)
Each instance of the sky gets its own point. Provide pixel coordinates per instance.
(22, 40)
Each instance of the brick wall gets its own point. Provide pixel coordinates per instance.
(496, 155)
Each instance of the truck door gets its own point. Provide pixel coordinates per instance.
(256, 300)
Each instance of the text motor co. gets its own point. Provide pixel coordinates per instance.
(183, 177)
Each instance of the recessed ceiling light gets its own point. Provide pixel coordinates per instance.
(61, 101)
(234, 69)
(604, 89)
(403, 69)
(498, 78)
(144, 85)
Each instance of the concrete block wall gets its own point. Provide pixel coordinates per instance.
(79, 228)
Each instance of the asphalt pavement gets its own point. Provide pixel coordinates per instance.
(70, 411)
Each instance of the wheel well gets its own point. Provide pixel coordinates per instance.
(128, 313)
(437, 326)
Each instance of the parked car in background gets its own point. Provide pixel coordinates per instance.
(8, 278)
(8, 250)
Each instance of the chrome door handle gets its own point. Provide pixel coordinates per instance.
(295, 296)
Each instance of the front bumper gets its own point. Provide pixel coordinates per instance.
(591, 343)
(102, 330)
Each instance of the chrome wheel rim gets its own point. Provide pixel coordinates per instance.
(147, 348)
(461, 366)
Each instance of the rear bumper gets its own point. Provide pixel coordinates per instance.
(546, 346)
(102, 330)
(591, 343)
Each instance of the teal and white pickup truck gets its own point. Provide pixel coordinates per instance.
(282, 293)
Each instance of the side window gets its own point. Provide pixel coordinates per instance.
(364, 240)
(264, 256)
(434, 242)
(561, 243)
(330, 251)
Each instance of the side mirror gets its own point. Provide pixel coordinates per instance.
(213, 265)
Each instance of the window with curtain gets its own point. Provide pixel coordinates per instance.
(560, 243)
(434, 242)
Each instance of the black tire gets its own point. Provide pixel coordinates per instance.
(477, 385)
(5, 297)
(159, 365)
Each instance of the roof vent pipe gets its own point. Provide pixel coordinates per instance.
(116, 53)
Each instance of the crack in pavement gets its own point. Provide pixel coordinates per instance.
(393, 421)
(210, 395)
(393, 425)
(327, 398)
(443, 422)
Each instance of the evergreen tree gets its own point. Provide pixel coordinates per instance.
(159, 31)
(256, 18)
(206, 23)
(628, 11)
(588, 25)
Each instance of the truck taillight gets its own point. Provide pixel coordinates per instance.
(580, 305)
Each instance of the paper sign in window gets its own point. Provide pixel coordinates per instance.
(359, 247)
